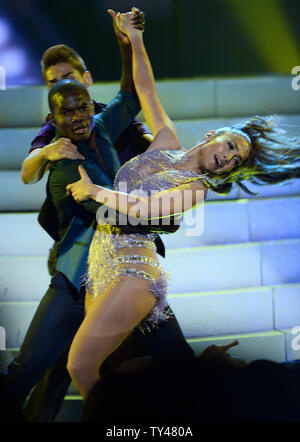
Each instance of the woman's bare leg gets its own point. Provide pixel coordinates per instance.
(110, 318)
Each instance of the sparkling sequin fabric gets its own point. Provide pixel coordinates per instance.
(114, 252)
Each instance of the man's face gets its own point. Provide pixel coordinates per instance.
(73, 115)
(63, 71)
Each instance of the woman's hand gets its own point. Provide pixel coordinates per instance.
(80, 190)
(127, 23)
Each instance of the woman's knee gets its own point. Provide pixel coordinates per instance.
(78, 363)
(74, 367)
(85, 357)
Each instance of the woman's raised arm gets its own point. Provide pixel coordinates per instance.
(158, 121)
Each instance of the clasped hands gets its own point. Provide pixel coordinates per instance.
(125, 22)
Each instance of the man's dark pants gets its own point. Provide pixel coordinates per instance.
(46, 345)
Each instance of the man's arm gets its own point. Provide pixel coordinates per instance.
(143, 138)
(34, 166)
(127, 83)
(117, 115)
(120, 112)
(63, 173)
(43, 151)
(126, 57)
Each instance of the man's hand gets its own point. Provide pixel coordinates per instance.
(61, 149)
(217, 355)
(137, 18)
(80, 190)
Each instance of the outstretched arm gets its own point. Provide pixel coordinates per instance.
(126, 58)
(158, 121)
(163, 204)
(137, 20)
(38, 161)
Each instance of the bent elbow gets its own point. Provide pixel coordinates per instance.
(24, 177)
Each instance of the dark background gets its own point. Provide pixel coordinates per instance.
(184, 38)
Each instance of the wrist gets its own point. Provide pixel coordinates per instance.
(135, 35)
(124, 45)
(92, 191)
(126, 52)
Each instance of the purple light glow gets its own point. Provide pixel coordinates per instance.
(4, 32)
(14, 61)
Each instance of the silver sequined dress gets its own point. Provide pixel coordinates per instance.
(144, 174)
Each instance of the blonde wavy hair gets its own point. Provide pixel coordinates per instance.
(273, 159)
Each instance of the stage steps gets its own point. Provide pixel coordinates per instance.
(183, 99)
(24, 278)
(269, 218)
(240, 278)
(201, 313)
(18, 197)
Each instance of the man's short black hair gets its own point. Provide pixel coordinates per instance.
(65, 87)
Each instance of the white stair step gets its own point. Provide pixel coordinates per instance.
(18, 196)
(280, 262)
(16, 317)
(233, 266)
(213, 267)
(199, 314)
(259, 220)
(235, 96)
(224, 312)
(191, 270)
(14, 146)
(12, 106)
(22, 235)
(211, 224)
(23, 278)
(190, 132)
(207, 98)
(274, 218)
(286, 306)
(252, 346)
